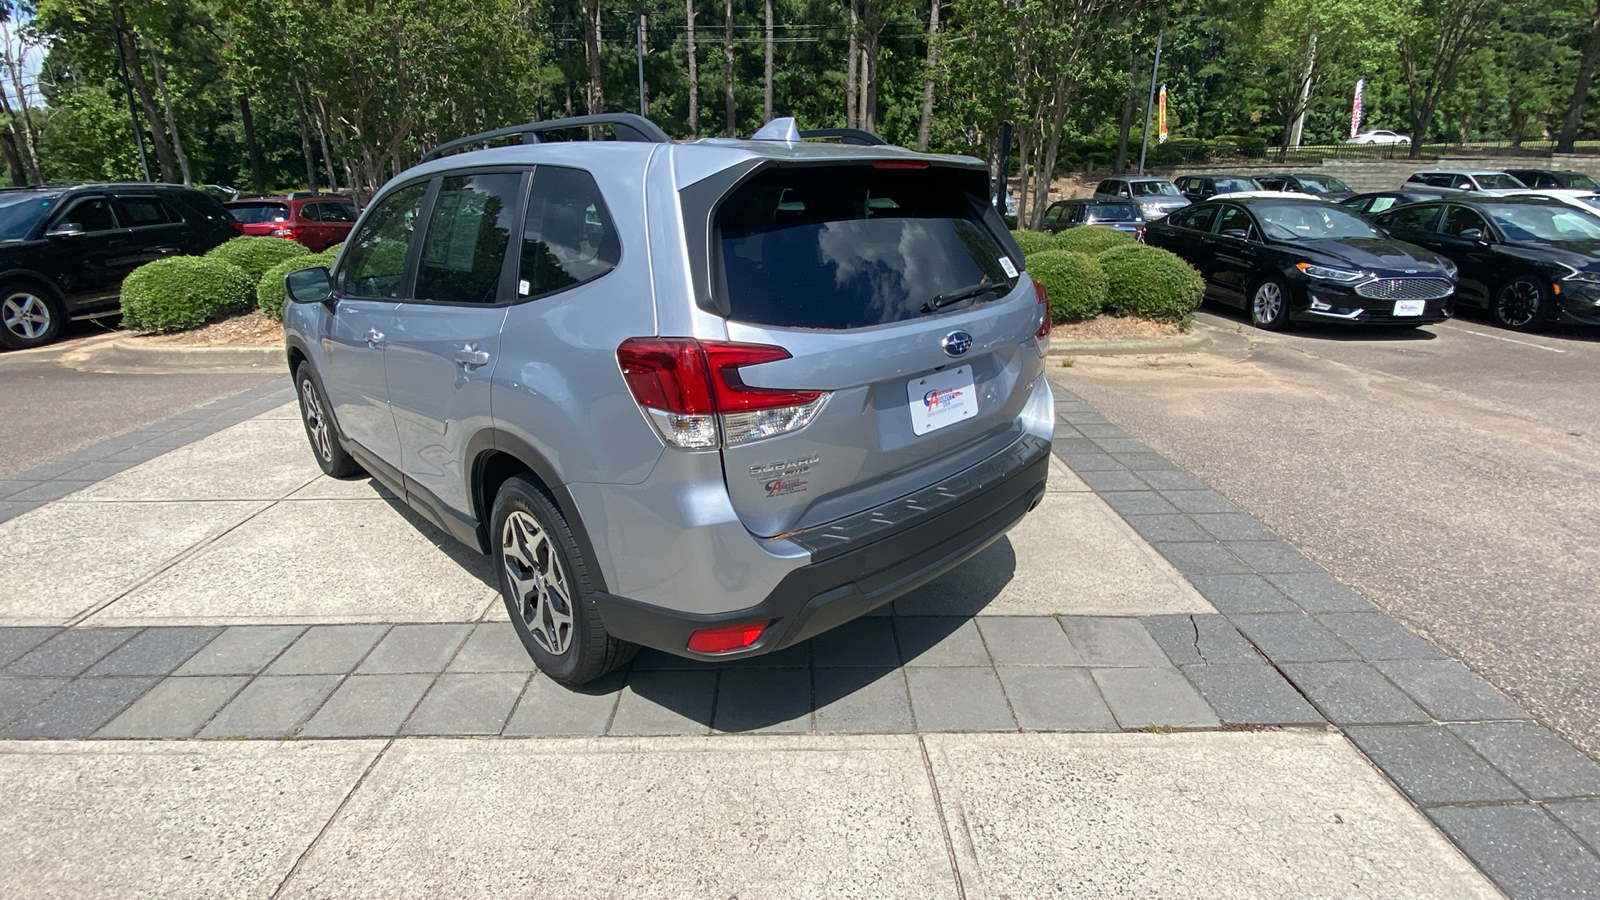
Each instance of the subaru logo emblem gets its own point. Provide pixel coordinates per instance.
(956, 343)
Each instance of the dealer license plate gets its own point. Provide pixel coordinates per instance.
(1410, 307)
(940, 399)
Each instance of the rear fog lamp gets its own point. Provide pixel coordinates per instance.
(729, 637)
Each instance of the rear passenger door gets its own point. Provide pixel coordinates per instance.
(445, 341)
(156, 230)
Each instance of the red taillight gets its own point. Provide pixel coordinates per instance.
(237, 225)
(1043, 296)
(685, 375)
(900, 164)
(731, 637)
(696, 399)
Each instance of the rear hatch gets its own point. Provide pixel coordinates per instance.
(259, 217)
(860, 273)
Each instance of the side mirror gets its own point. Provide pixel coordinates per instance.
(1239, 233)
(309, 285)
(1475, 234)
(65, 229)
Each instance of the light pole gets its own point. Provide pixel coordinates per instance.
(133, 115)
(1155, 72)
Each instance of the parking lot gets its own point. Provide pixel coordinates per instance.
(1450, 474)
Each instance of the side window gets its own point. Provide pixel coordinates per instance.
(311, 212)
(1053, 215)
(569, 237)
(1460, 219)
(1107, 187)
(1199, 218)
(139, 212)
(1235, 218)
(92, 214)
(1416, 218)
(465, 248)
(1123, 190)
(374, 261)
(1379, 204)
(340, 211)
(1462, 182)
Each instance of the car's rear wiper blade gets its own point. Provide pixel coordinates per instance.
(950, 298)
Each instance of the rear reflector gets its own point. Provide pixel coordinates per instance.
(900, 164)
(692, 393)
(731, 637)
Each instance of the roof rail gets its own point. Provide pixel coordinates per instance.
(626, 126)
(847, 136)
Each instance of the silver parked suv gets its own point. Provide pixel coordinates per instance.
(712, 397)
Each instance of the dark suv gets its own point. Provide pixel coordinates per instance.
(64, 250)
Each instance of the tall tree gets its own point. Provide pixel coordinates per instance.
(1580, 87)
(727, 70)
(766, 102)
(1441, 36)
(925, 124)
(852, 102)
(694, 72)
(595, 97)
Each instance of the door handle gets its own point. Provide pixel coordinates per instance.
(471, 357)
(374, 338)
(166, 249)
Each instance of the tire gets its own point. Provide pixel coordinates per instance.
(321, 430)
(1522, 303)
(1269, 304)
(548, 587)
(29, 316)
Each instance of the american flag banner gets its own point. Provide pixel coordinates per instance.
(1355, 108)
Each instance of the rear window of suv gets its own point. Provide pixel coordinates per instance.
(840, 247)
(259, 213)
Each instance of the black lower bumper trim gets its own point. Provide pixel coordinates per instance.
(863, 561)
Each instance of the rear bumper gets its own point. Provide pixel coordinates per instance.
(863, 561)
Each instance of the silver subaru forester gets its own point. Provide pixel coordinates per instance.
(713, 397)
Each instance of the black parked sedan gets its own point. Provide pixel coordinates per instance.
(65, 250)
(1123, 215)
(1378, 201)
(1527, 260)
(1289, 260)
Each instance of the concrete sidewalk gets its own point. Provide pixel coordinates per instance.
(1130, 694)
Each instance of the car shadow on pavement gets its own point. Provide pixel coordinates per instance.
(475, 563)
(850, 675)
(1330, 332)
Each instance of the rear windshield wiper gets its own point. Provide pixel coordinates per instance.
(950, 298)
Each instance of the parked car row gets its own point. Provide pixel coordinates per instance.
(64, 249)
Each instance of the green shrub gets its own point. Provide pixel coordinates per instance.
(1150, 282)
(270, 292)
(255, 255)
(1091, 239)
(183, 292)
(1032, 242)
(1076, 283)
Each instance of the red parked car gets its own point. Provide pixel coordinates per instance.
(316, 221)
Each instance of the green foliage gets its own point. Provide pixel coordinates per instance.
(1091, 239)
(183, 292)
(270, 292)
(1076, 283)
(255, 255)
(1032, 242)
(1150, 282)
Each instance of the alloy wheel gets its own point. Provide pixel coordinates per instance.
(1518, 303)
(26, 315)
(539, 586)
(316, 420)
(1268, 303)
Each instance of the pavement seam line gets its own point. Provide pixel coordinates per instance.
(182, 556)
(338, 811)
(944, 824)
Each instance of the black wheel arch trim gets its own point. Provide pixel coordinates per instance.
(494, 440)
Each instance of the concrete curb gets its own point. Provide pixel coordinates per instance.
(122, 356)
(1194, 340)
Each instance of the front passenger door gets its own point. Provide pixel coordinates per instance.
(1235, 256)
(445, 344)
(92, 264)
(368, 285)
(1467, 239)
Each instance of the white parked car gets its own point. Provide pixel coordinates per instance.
(1380, 137)
(1581, 198)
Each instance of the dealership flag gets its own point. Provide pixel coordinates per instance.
(1161, 130)
(1355, 108)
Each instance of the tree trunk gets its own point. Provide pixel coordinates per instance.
(1580, 90)
(305, 141)
(141, 87)
(1024, 146)
(321, 122)
(925, 126)
(172, 123)
(1128, 104)
(727, 70)
(22, 125)
(591, 52)
(258, 182)
(8, 145)
(694, 74)
(766, 107)
(851, 120)
(869, 79)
